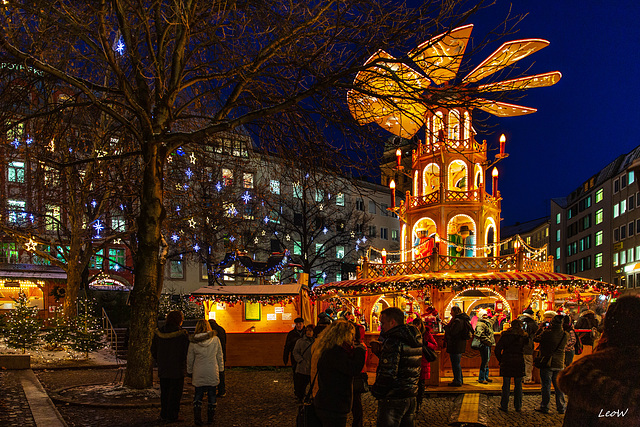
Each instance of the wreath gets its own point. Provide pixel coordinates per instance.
(58, 292)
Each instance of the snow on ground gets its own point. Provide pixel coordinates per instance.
(41, 358)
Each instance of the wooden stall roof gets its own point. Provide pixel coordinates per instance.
(289, 289)
(32, 271)
(466, 280)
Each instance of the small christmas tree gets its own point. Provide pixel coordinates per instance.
(86, 332)
(23, 326)
(58, 335)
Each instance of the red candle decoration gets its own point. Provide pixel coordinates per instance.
(398, 154)
(503, 139)
(384, 256)
(392, 186)
(494, 174)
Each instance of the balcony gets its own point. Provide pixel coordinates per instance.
(455, 145)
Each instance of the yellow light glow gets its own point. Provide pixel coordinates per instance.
(494, 172)
(392, 185)
(503, 138)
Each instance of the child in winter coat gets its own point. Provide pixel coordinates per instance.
(204, 362)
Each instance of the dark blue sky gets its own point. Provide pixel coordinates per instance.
(583, 122)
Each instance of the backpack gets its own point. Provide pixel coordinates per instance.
(469, 332)
(578, 347)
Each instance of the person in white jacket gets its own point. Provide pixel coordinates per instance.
(204, 363)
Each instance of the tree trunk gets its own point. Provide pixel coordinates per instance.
(71, 294)
(144, 295)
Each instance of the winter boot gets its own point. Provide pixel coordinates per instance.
(197, 413)
(211, 414)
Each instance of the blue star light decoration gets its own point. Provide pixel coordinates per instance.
(121, 207)
(180, 151)
(196, 247)
(324, 276)
(15, 143)
(178, 208)
(94, 204)
(98, 226)
(120, 46)
(232, 210)
(325, 230)
(189, 173)
(266, 219)
(219, 186)
(246, 197)
(175, 237)
(29, 141)
(232, 239)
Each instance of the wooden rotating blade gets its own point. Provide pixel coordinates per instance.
(528, 82)
(440, 56)
(506, 55)
(406, 119)
(503, 109)
(365, 108)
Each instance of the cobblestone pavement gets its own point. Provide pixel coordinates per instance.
(14, 409)
(261, 397)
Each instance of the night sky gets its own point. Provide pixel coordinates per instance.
(583, 122)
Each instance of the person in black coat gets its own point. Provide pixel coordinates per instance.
(510, 354)
(530, 326)
(169, 349)
(290, 342)
(334, 364)
(553, 341)
(456, 334)
(400, 359)
(222, 335)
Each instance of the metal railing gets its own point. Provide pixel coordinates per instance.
(111, 334)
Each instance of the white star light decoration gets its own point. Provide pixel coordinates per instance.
(192, 222)
(266, 220)
(196, 247)
(192, 158)
(94, 204)
(255, 240)
(98, 226)
(325, 230)
(120, 46)
(246, 197)
(31, 245)
(175, 237)
(232, 210)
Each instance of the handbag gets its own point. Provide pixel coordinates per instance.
(429, 355)
(307, 416)
(476, 343)
(361, 383)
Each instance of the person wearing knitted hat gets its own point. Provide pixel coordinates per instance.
(529, 326)
(553, 341)
(604, 387)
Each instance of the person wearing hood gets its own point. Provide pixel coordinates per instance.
(169, 349)
(400, 359)
(604, 387)
(222, 336)
(553, 341)
(484, 333)
(530, 326)
(205, 362)
(588, 321)
(456, 334)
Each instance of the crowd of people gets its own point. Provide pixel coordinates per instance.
(328, 363)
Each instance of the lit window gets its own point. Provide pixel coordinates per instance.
(599, 260)
(632, 177)
(558, 253)
(599, 238)
(97, 259)
(558, 218)
(630, 255)
(275, 186)
(176, 269)
(394, 235)
(339, 252)
(615, 259)
(52, 219)
(319, 195)
(227, 177)
(320, 249)
(16, 210)
(616, 210)
(297, 191)
(117, 223)
(15, 172)
(297, 248)
(557, 235)
(338, 276)
(599, 216)
(623, 258)
(340, 199)
(599, 195)
(116, 259)
(623, 206)
(247, 180)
